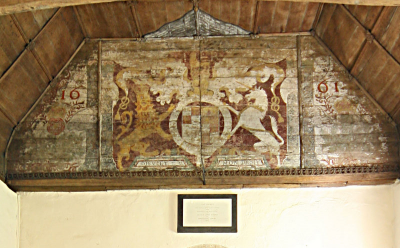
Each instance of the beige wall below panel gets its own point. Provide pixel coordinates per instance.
(396, 198)
(8, 217)
(353, 217)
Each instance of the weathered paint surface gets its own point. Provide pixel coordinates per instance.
(340, 125)
(60, 134)
(215, 103)
(212, 103)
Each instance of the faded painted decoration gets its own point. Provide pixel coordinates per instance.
(218, 104)
(199, 105)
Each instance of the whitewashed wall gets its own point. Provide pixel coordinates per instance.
(8, 217)
(354, 217)
(396, 197)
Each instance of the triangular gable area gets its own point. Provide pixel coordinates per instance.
(216, 111)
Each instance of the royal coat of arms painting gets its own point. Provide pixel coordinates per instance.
(216, 104)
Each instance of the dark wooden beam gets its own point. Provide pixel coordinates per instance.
(16, 6)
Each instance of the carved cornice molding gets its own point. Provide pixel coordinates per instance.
(348, 170)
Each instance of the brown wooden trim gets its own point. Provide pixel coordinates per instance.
(83, 181)
(12, 6)
(256, 17)
(134, 14)
(18, 25)
(317, 16)
(2, 110)
(99, 116)
(40, 62)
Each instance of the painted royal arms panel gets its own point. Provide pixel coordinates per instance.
(205, 108)
(223, 107)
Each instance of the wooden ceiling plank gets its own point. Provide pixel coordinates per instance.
(281, 17)
(311, 14)
(375, 78)
(58, 40)
(159, 14)
(357, 40)
(226, 14)
(396, 50)
(264, 20)
(389, 38)
(12, 6)
(215, 9)
(366, 54)
(145, 19)
(372, 67)
(256, 17)
(78, 17)
(372, 17)
(174, 10)
(326, 15)
(361, 13)
(135, 17)
(383, 22)
(337, 34)
(351, 7)
(11, 41)
(247, 12)
(386, 94)
(32, 22)
(205, 5)
(21, 86)
(17, 24)
(123, 15)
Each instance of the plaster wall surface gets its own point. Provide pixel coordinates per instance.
(8, 217)
(396, 201)
(356, 217)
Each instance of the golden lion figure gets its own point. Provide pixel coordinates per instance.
(147, 121)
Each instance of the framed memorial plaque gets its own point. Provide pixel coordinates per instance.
(213, 213)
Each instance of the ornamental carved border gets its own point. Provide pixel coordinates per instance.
(372, 169)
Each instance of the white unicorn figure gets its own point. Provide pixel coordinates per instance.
(250, 119)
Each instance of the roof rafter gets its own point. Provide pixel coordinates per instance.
(16, 6)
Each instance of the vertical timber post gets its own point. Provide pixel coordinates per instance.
(99, 99)
(299, 98)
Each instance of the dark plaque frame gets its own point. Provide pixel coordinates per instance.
(206, 229)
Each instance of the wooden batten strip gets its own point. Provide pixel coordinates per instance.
(30, 49)
(135, 17)
(299, 96)
(29, 46)
(256, 17)
(40, 62)
(38, 100)
(99, 62)
(283, 34)
(355, 81)
(2, 110)
(78, 17)
(20, 30)
(317, 16)
(366, 31)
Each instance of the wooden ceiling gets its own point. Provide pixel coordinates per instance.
(36, 45)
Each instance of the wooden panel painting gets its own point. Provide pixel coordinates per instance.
(60, 133)
(202, 109)
(185, 108)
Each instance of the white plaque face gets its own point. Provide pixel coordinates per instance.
(207, 212)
